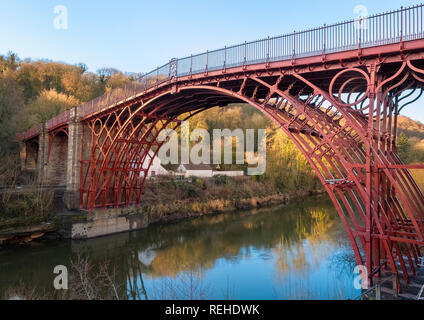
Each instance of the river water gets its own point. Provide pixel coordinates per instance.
(299, 251)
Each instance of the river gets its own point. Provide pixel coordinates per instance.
(299, 251)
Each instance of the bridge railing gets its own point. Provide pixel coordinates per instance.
(111, 97)
(31, 133)
(392, 27)
(57, 121)
(396, 26)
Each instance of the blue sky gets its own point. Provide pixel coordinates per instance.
(138, 36)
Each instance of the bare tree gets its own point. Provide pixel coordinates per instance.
(89, 282)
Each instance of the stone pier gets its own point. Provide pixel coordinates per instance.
(73, 162)
(55, 159)
(51, 160)
(29, 156)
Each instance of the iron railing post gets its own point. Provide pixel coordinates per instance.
(245, 54)
(324, 39)
(401, 26)
(267, 54)
(225, 58)
(207, 61)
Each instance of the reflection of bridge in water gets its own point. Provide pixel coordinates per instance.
(336, 91)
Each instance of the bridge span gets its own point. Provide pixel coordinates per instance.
(336, 91)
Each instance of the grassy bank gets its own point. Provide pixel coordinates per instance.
(418, 175)
(25, 208)
(166, 197)
(21, 208)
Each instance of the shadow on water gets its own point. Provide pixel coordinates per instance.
(298, 251)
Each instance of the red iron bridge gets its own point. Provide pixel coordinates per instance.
(336, 91)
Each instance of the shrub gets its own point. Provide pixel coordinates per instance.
(220, 180)
(190, 190)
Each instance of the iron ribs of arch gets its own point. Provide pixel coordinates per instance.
(122, 147)
(345, 127)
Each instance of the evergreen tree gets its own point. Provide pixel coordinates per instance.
(404, 148)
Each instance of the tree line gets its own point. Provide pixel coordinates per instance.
(35, 91)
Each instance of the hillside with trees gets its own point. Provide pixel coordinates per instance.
(35, 91)
(410, 140)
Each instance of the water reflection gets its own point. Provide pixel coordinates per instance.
(294, 252)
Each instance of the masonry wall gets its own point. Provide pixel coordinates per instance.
(73, 162)
(199, 173)
(29, 156)
(56, 164)
(229, 173)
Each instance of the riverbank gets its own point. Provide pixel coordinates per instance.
(27, 215)
(112, 221)
(164, 200)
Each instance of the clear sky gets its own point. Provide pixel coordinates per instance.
(139, 35)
